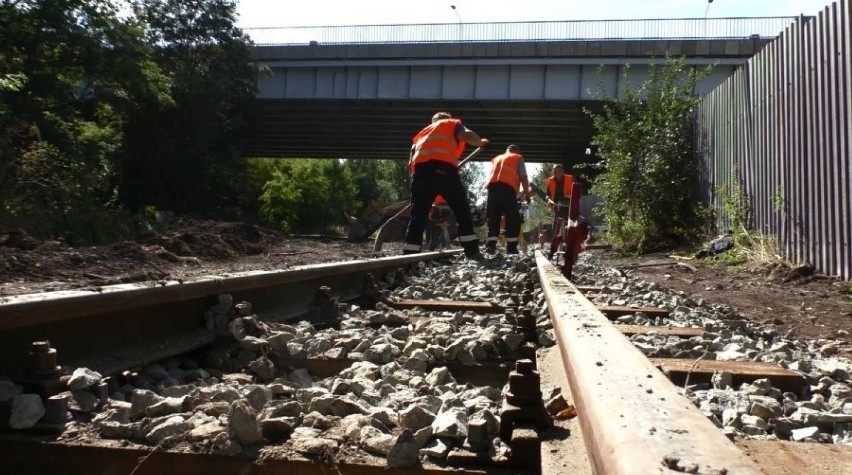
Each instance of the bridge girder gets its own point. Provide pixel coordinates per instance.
(382, 129)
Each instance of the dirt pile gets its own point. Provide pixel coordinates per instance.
(181, 251)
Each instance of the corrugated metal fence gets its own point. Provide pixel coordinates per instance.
(779, 130)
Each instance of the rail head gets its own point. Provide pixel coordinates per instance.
(34, 309)
(632, 417)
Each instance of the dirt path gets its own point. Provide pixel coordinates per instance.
(811, 307)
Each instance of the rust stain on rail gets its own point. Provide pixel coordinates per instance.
(632, 417)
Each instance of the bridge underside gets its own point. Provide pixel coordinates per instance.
(546, 130)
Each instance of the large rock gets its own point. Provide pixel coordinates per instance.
(242, 420)
(27, 409)
(403, 453)
(415, 417)
(375, 441)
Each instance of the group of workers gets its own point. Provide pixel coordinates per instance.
(434, 167)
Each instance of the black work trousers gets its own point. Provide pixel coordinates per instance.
(430, 179)
(503, 200)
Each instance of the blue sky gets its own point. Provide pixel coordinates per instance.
(270, 13)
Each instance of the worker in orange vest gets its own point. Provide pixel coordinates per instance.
(508, 173)
(559, 186)
(434, 164)
(442, 219)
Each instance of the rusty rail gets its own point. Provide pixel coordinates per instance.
(146, 322)
(632, 417)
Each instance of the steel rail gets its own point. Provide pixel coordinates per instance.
(632, 417)
(169, 316)
(30, 309)
(20, 455)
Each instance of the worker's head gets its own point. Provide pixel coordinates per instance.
(513, 149)
(440, 116)
(558, 171)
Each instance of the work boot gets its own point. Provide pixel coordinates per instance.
(511, 248)
(491, 247)
(477, 256)
(471, 250)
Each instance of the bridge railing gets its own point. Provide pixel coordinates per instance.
(653, 29)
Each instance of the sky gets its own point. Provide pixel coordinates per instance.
(272, 13)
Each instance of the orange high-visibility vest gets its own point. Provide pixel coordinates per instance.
(504, 169)
(437, 141)
(567, 183)
(439, 200)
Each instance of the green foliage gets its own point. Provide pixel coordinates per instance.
(539, 211)
(650, 174)
(12, 81)
(193, 165)
(382, 181)
(69, 71)
(752, 248)
(280, 201)
(307, 195)
(736, 205)
(473, 176)
(102, 111)
(779, 201)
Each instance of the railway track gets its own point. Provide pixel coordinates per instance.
(420, 363)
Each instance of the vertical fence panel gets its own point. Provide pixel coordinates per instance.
(821, 226)
(808, 197)
(831, 166)
(782, 115)
(787, 234)
(792, 119)
(778, 110)
(799, 193)
(845, 80)
(780, 126)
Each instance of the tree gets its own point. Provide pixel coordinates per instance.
(650, 172)
(70, 70)
(539, 211)
(185, 156)
(308, 195)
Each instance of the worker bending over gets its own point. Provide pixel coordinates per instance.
(508, 173)
(435, 171)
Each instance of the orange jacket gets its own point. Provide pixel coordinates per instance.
(504, 169)
(437, 141)
(567, 183)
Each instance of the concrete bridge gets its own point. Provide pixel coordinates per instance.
(362, 92)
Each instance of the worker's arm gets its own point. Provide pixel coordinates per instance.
(472, 138)
(525, 184)
(525, 181)
(539, 192)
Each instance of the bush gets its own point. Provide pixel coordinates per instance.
(650, 174)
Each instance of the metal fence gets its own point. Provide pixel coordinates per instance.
(682, 28)
(778, 130)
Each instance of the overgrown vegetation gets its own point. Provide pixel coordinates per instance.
(752, 248)
(105, 111)
(312, 195)
(649, 173)
(116, 111)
